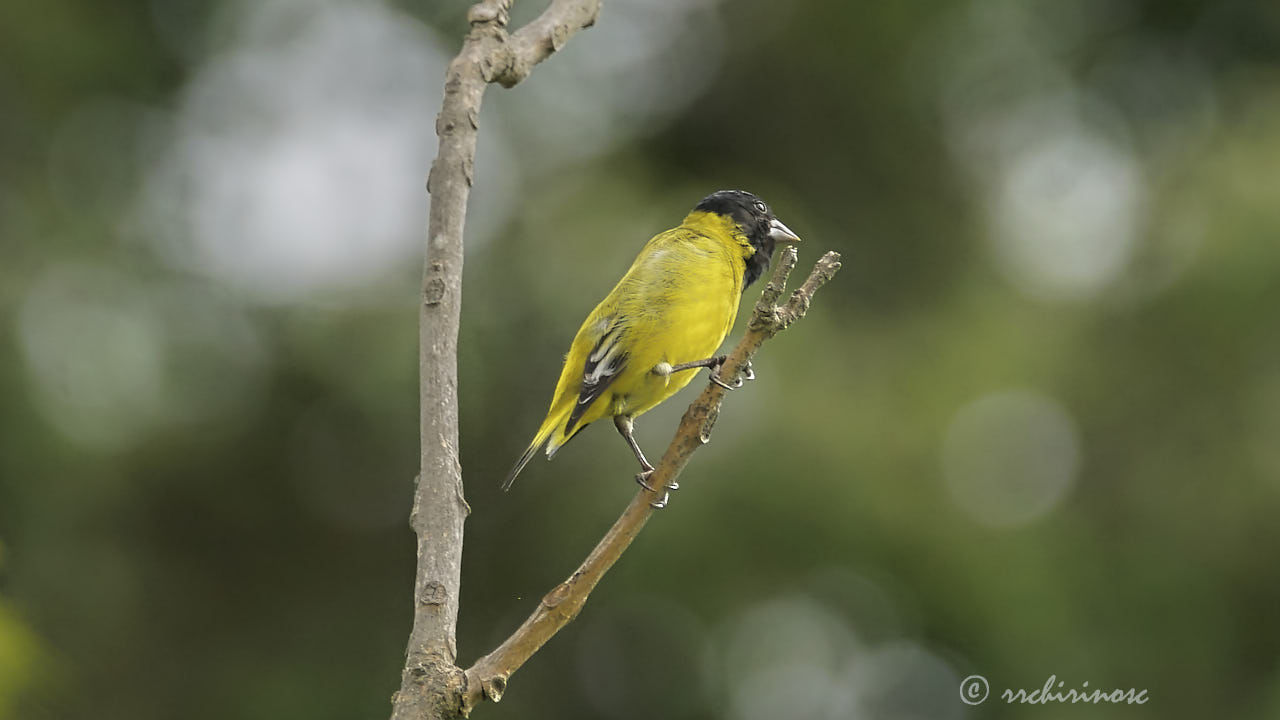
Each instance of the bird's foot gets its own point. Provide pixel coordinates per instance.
(747, 374)
(642, 478)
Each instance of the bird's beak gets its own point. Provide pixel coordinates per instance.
(781, 233)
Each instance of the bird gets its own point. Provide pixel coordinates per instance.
(664, 319)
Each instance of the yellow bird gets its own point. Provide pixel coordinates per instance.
(663, 320)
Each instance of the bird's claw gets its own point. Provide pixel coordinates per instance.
(747, 374)
(715, 378)
(642, 478)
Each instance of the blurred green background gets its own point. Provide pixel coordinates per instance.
(1031, 429)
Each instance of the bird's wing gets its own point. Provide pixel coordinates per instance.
(604, 364)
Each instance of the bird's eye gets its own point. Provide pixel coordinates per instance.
(761, 207)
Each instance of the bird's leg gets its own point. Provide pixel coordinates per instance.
(711, 362)
(714, 363)
(625, 425)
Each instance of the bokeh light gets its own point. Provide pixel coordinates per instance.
(796, 656)
(111, 358)
(298, 155)
(1010, 457)
(1064, 195)
(1066, 214)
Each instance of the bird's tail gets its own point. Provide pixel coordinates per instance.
(524, 460)
(546, 435)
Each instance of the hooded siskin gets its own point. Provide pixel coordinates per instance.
(675, 305)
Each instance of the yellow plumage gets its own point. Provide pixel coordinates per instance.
(675, 305)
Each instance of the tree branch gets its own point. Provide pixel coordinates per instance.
(431, 684)
(487, 678)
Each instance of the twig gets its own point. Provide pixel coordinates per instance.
(487, 678)
(431, 683)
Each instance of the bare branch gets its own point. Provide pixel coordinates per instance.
(487, 678)
(536, 41)
(431, 684)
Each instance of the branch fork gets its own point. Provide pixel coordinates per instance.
(431, 682)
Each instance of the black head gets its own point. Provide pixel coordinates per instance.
(757, 222)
